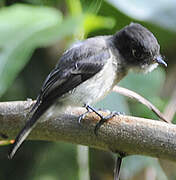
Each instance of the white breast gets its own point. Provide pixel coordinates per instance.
(94, 88)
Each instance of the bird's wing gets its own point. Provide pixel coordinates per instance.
(75, 66)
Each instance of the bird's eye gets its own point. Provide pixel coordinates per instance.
(136, 54)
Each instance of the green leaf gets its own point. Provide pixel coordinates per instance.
(93, 22)
(158, 12)
(22, 29)
(74, 6)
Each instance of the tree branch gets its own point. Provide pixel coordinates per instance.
(127, 134)
(142, 100)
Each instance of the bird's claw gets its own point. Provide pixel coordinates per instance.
(82, 116)
(105, 119)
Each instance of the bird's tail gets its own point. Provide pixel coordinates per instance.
(30, 124)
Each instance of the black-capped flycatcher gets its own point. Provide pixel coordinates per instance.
(90, 69)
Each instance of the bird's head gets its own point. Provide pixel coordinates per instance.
(139, 48)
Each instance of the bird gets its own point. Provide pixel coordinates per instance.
(89, 70)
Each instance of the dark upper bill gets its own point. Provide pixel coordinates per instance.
(159, 60)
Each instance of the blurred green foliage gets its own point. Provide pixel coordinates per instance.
(22, 29)
(33, 35)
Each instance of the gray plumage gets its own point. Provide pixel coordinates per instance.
(90, 69)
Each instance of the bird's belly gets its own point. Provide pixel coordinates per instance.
(88, 93)
(94, 88)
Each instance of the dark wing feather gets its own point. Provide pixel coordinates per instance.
(73, 69)
(75, 66)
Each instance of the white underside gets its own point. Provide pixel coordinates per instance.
(94, 88)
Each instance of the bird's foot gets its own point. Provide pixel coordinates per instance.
(89, 109)
(105, 119)
(82, 116)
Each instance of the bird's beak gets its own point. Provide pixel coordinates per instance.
(159, 60)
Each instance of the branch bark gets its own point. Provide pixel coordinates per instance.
(131, 135)
(142, 100)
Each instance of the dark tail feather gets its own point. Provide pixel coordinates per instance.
(117, 167)
(30, 124)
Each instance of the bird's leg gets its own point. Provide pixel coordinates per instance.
(103, 118)
(84, 114)
(89, 109)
